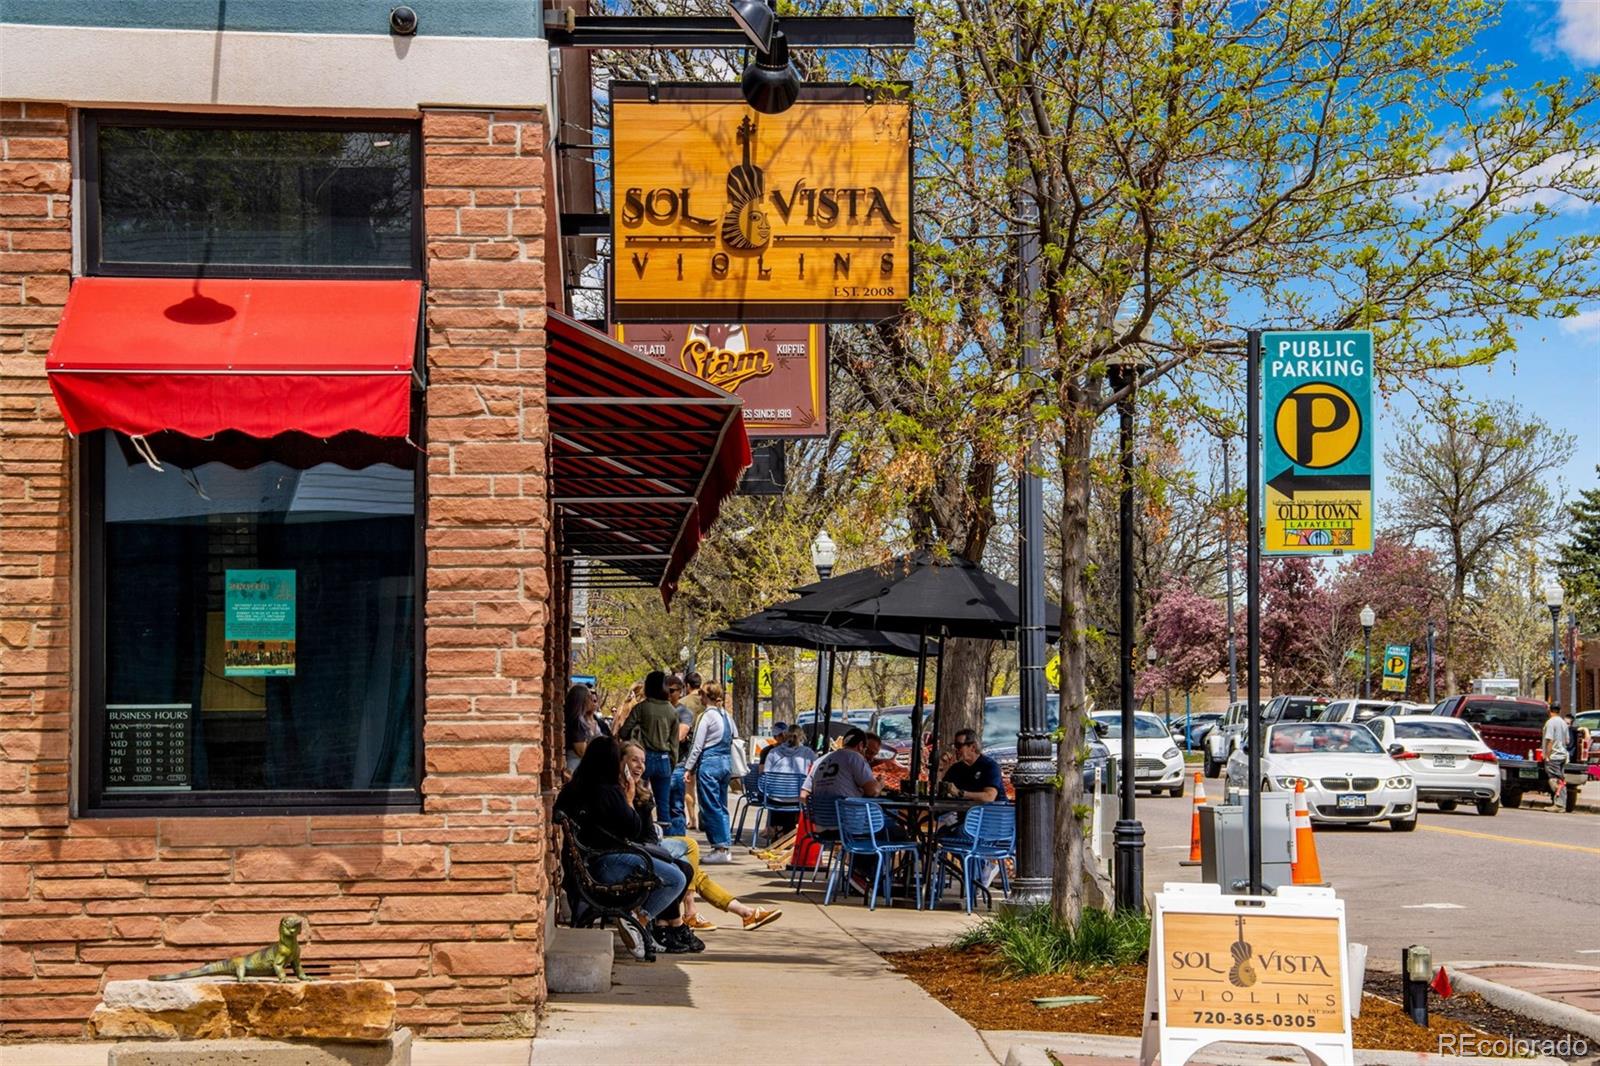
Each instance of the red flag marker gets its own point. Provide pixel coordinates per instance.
(1441, 984)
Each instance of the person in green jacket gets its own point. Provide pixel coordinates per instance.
(653, 722)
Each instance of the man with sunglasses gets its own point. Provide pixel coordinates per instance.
(968, 773)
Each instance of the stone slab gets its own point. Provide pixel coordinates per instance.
(215, 1009)
(394, 1051)
(579, 960)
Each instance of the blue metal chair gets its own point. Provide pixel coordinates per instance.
(861, 823)
(988, 834)
(824, 817)
(780, 793)
(749, 797)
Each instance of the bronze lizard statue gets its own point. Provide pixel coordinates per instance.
(276, 959)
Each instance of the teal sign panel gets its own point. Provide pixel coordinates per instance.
(258, 623)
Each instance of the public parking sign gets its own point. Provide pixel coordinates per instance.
(1396, 667)
(1317, 443)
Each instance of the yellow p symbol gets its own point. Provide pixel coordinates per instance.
(1318, 425)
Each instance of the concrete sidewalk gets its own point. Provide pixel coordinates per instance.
(1562, 995)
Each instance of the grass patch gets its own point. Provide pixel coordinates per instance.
(1033, 942)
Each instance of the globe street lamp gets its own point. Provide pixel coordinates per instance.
(1552, 599)
(1368, 618)
(824, 553)
(1150, 664)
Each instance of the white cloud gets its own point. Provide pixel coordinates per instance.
(1579, 33)
(1540, 184)
(1584, 322)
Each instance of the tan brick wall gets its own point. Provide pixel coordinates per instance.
(446, 904)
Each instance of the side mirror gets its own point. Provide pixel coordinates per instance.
(1101, 728)
(1396, 750)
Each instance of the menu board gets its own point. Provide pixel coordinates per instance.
(147, 747)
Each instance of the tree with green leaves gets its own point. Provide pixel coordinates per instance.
(1191, 168)
(1578, 563)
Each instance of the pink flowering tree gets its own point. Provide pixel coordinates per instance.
(1189, 633)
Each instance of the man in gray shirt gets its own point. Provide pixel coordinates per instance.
(1554, 743)
(845, 773)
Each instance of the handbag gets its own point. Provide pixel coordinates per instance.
(738, 761)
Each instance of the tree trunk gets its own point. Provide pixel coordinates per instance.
(743, 696)
(1067, 888)
(963, 688)
(782, 660)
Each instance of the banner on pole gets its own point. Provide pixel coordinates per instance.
(1396, 667)
(1317, 443)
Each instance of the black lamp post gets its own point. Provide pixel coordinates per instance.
(1128, 834)
(1368, 618)
(1552, 599)
(824, 553)
(1572, 661)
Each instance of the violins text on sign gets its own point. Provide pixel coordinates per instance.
(721, 213)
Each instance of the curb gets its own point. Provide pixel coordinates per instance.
(1037, 1051)
(1574, 1020)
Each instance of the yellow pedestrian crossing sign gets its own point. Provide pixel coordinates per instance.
(1052, 671)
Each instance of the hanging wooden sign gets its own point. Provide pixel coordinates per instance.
(720, 213)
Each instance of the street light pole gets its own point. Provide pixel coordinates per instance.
(1227, 562)
(1431, 697)
(1572, 661)
(1552, 600)
(824, 553)
(1368, 619)
(1128, 833)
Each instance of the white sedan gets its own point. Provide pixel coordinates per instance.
(1157, 762)
(1450, 761)
(1348, 775)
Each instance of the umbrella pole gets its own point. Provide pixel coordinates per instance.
(827, 728)
(938, 716)
(916, 711)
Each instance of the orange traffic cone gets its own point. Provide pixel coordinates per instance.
(1305, 867)
(1194, 823)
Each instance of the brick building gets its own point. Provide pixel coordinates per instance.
(282, 623)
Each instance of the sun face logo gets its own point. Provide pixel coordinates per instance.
(745, 226)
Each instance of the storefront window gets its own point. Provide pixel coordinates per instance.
(255, 608)
(188, 196)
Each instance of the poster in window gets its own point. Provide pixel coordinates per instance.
(258, 624)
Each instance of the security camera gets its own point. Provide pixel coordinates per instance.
(403, 21)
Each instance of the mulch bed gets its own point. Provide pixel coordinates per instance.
(971, 983)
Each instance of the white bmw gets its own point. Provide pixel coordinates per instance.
(1348, 775)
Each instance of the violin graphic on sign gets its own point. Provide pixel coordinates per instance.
(745, 226)
(1242, 974)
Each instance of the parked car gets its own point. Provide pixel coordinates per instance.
(1192, 734)
(1357, 711)
(1348, 777)
(1402, 707)
(1294, 709)
(1448, 758)
(1158, 764)
(1589, 721)
(1513, 727)
(1223, 738)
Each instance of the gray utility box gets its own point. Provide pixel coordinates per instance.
(1225, 843)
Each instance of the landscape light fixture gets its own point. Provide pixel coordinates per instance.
(757, 19)
(770, 83)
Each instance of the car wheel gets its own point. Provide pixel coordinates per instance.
(1402, 826)
(1447, 805)
(1488, 808)
(1511, 798)
(1176, 790)
(1211, 767)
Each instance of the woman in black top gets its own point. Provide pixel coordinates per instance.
(599, 799)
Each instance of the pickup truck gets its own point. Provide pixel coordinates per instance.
(1513, 727)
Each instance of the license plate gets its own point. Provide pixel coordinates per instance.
(1528, 773)
(1352, 799)
(1444, 760)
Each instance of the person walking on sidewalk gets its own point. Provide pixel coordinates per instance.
(1556, 743)
(654, 724)
(711, 762)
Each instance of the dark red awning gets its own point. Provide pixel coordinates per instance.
(141, 355)
(642, 458)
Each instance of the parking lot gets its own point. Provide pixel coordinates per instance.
(1521, 885)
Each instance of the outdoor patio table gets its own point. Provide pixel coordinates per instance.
(926, 830)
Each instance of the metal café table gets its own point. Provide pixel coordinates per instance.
(926, 829)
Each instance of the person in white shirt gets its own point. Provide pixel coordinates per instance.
(711, 762)
(1554, 743)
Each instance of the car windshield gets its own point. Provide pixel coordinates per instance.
(1517, 713)
(1441, 729)
(1143, 728)
(1002, 717)
(894, 727)
(1299, 709)
(1322, 737)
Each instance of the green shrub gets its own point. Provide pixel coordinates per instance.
(1032, 941)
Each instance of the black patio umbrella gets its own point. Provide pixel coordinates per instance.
(770, 627)
(924, 594)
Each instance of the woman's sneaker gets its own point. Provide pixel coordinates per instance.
(678, 940)
(761, 916)
(718, 857)
(631, 940)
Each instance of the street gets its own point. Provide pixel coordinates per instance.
(1521, 885)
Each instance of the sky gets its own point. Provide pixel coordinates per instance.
(1556, 369)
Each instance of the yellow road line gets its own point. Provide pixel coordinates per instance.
(1510, 840)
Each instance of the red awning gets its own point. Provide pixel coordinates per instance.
(642, 457)
(141, 355)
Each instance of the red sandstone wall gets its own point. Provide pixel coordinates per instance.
(446, 904)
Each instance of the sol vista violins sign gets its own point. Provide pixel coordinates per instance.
(722, 213)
